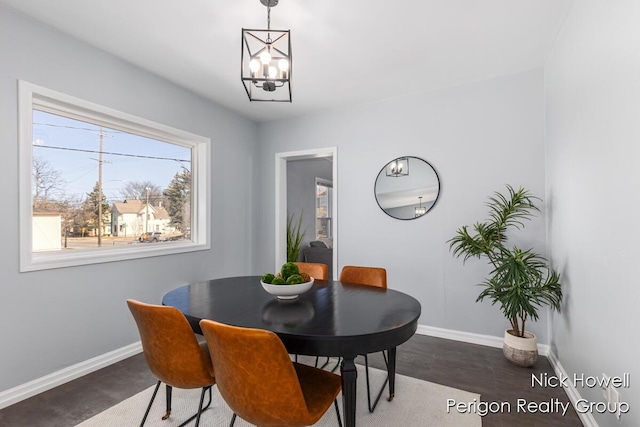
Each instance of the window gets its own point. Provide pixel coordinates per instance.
(324, 197)
(94, 180)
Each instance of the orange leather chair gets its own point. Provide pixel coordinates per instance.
(261, 384)
(314, 269)
(173, 353)
(371, 276)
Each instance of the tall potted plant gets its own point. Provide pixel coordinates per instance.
(521, 281)
(294, 238)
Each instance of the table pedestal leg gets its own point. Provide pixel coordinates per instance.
(349, 376)
(391, 371)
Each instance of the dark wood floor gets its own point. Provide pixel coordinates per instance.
(470, 367)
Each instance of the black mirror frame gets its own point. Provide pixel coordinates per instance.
(432, 205)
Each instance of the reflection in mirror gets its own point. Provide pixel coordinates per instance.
(407, 188)
(398, 167)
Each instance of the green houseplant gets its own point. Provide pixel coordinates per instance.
(521, 281)
(294, 238)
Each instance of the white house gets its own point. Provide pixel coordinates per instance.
(134, 217)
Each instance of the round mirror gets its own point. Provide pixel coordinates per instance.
(407, 188)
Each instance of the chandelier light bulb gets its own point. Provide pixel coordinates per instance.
(265, 57)
(283, 65)
(396, 167)
(273, 72)
(254, 65)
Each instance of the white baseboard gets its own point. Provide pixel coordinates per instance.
(39, 385)
(586, 418)
(470, 337)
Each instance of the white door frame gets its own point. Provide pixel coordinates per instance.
(281, 200)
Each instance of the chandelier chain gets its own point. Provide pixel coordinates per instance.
(268, 17)
(269, 23)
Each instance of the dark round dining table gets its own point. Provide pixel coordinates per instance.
(332, 319)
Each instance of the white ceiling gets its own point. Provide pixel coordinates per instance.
(344, 51)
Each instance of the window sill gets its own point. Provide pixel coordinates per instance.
(62, 259)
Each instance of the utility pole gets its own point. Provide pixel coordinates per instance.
(100, 190)
(146, 217)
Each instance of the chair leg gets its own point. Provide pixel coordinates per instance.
(201, 409)
(337, 364)
(168, 413)
(155, 391)
(204, 390)
(326, 362)
(233, 420)
(386, 381)
(335, 403)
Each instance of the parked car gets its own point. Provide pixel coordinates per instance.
(176, 235)
(151, 236)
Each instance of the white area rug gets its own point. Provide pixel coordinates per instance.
(416, 404)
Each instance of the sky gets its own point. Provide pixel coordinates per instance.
(126, 157)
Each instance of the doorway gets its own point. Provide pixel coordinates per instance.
(282, 159)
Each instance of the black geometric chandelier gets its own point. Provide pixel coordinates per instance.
(398, 167)
(266, 62)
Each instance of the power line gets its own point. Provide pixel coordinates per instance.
(111, 153)
(75, 127)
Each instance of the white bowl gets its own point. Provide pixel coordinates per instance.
(287, 291)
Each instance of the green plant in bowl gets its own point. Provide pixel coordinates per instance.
(278, 281)
(289, 269)
(295, 283)
(295, 279)
(268, 278)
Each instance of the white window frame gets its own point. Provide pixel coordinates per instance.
(33, 96)
(328, 184)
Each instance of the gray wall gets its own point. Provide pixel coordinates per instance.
(593, 167)
(57, 318)
(301, 191)
(478, 137)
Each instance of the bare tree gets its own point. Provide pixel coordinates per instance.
(48, 184)
(71, 212)
(137, 190)
(48, 193)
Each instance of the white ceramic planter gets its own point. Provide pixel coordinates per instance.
(523, 351)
